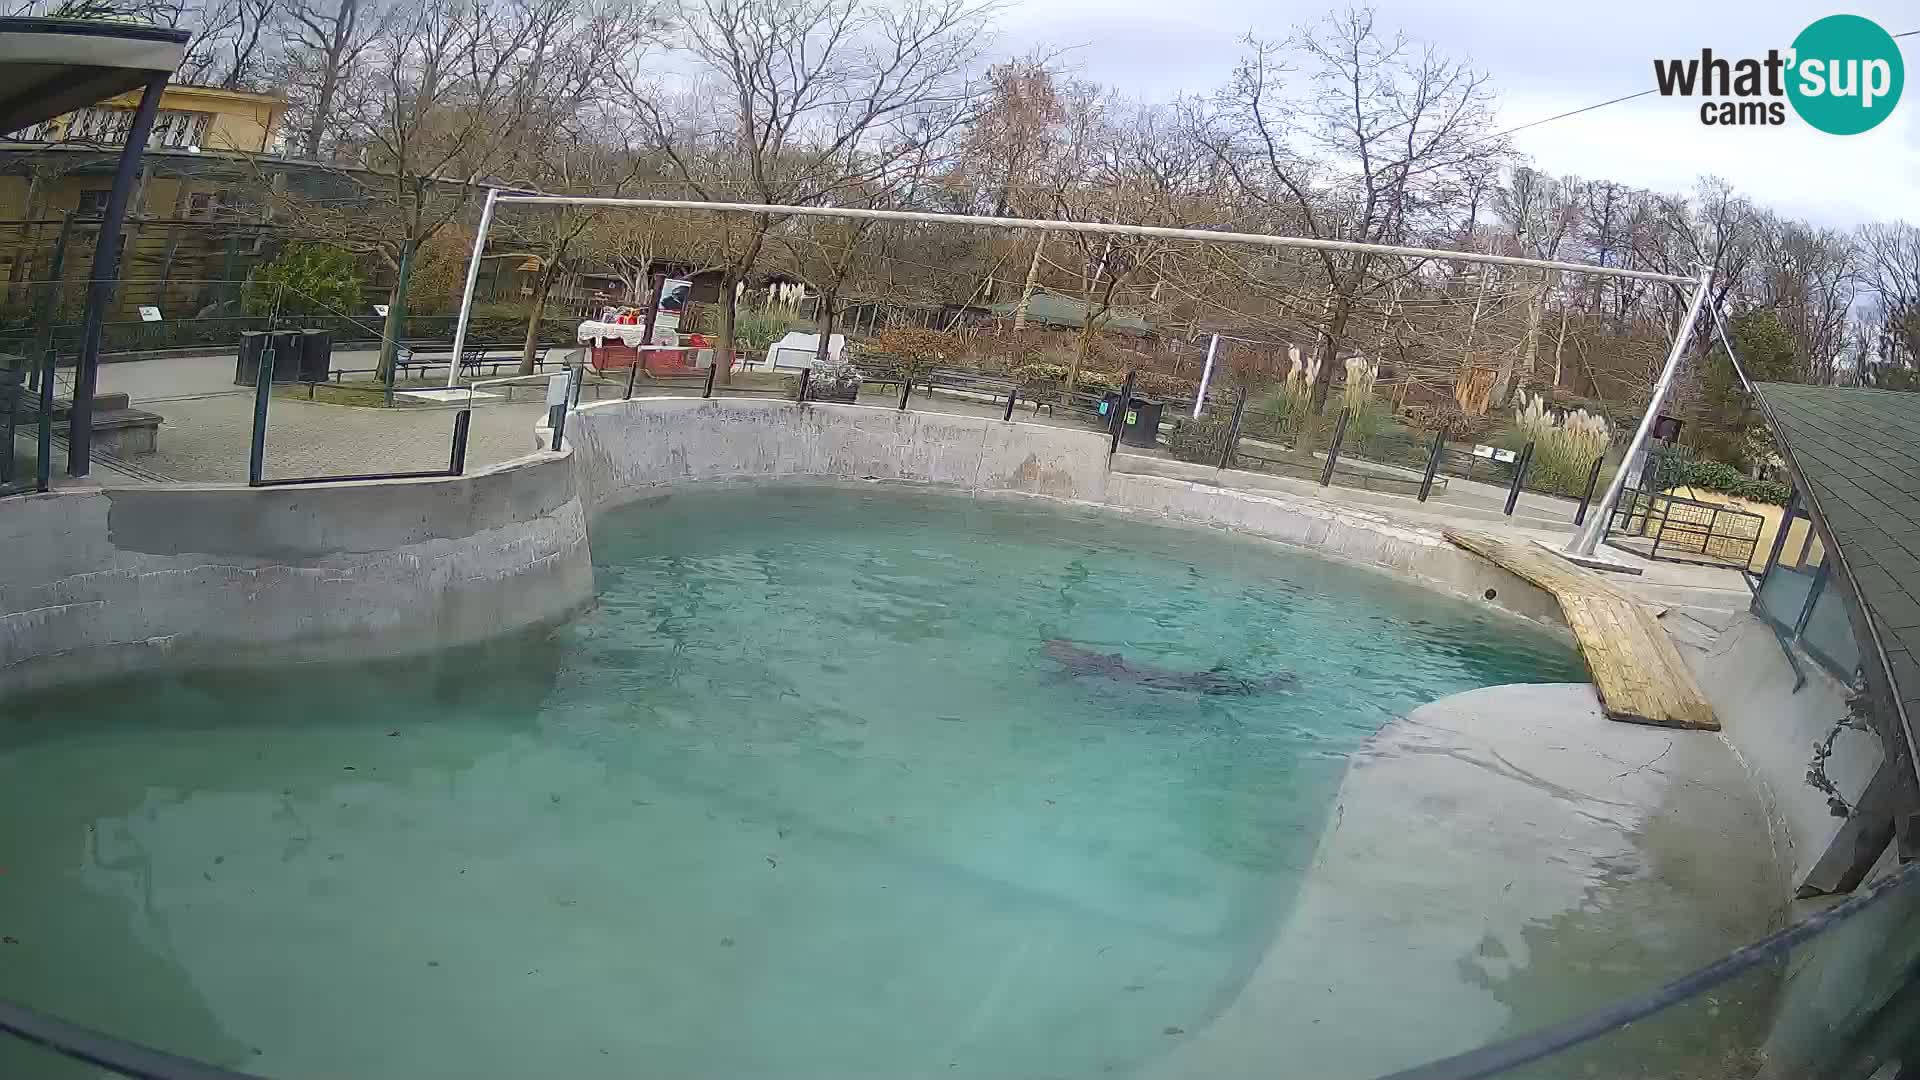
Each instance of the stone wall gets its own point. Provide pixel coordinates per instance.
(96, 581)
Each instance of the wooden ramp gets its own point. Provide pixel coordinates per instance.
(1641, 677)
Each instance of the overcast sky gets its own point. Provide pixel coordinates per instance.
(1548, 58)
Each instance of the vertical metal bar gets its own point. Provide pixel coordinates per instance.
(806, 376)
(1433, 463)
(262, 394)
(457, 464)
(1233, 428)
(466, 293)
(1666, 514)
(1586, 497)
(102, 279)
(1780, 536)
(1013, 392)
(1206, 375)
(1813, 595)
(1119, 418)
(712, 369)
(50, 301)
(1588, 538)
(1333, 448)
(43, 469)
(906, 388)
(1519, 477)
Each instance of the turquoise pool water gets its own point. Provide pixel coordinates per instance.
(806, 795)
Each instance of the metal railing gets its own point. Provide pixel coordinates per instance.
(1658, 525)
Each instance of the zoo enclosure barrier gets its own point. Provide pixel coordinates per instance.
(1672, 528)
(1357, 449)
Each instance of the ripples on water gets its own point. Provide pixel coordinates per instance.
(802, 796)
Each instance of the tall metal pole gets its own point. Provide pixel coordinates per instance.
(473, 277)
(103, 277)
(1206, 376)
(1587, 540)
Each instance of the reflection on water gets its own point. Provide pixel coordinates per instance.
(804, 796)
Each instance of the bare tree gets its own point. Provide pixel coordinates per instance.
(236, 45)
(1539, 212)
(1810, 277)
(1890, 258)
(429, 111)
(801, 91)
(1397, 128)
(329, 37)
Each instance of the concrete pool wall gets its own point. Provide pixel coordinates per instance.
(104, 580)
(97, 581)
(628, 450)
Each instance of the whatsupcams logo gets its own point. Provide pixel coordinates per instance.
(1843, 75)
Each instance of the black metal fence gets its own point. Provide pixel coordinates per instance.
(1658, 525)
(1364, 449)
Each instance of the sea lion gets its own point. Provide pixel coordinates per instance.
(1078, 660)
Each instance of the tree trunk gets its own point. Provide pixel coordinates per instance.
(1343, 304)
(1033, 282)
(396, 324)
(338, 40)
(1559, 344)
(540, 289)
(1089, 326)
(723, 348)
(1514, 378)
(823, 329)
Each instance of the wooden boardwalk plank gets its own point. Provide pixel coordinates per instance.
(1641, 676)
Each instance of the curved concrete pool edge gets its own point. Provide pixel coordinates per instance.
(102, 581)
(625, 451)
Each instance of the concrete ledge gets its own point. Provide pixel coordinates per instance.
(101, 581)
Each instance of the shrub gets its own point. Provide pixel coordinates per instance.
(1040, 373)
(307, 279)
(1563, 451)
(1724, 478)
(1160, 384)
(754, 329)
(912, 351)
(1197, 440)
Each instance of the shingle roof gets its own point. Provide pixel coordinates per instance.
(1858, 451)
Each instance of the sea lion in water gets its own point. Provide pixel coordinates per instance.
(1078, 660)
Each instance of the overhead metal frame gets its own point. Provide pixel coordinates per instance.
(1584, 542)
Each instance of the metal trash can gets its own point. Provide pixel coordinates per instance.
(1141, 425)
(246, 368)
(316, 356)
(286, 355)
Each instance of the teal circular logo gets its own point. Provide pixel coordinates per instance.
(1846, 74)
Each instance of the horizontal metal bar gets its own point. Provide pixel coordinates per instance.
(1098, 227)
(290, 481)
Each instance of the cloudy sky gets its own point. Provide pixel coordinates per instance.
(1548, 58)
